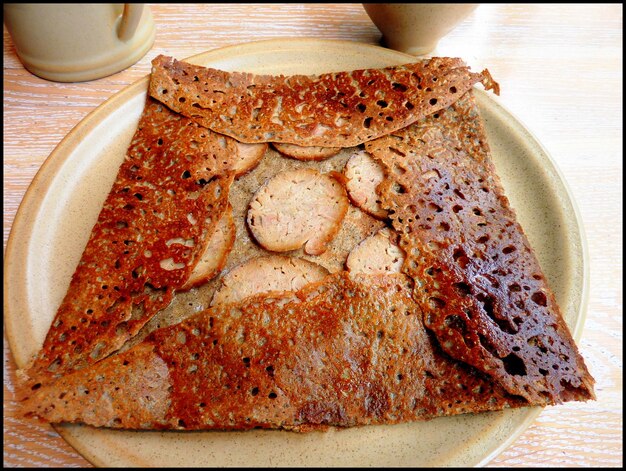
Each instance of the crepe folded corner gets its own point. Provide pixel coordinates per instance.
(170, 192)
(478, 281)
(339, 352)
(469, 325)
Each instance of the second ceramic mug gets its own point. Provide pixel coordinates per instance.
(77, 42)
(415, 28)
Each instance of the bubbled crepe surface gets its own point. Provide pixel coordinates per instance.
(172, 185)
(478, 280)
(341, 109)
(340, 352)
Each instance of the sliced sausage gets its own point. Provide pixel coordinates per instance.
(306, 153)
(265, 274)
(298, 208)
(248, 157)
(213, 260)
(376, 255)
(363, 174)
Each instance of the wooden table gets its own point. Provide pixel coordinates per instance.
(560, 69)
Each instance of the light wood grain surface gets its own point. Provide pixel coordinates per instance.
(560, 69)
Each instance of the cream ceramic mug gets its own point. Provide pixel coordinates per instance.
(416, 28)
(77, 42)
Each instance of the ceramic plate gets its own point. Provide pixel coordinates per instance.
(62, 204)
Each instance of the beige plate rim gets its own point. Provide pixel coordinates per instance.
(21, 236)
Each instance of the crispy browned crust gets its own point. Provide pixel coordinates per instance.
(340, 353)
(482, 290)
(331, 110)
(173, 185)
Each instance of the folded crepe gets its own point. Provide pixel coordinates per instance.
(478, 282)
(341, 109)
(169, 194)
(471, 325)
(146, 241)
(340, 352)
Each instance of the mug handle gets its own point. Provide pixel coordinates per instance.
(130, 20)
